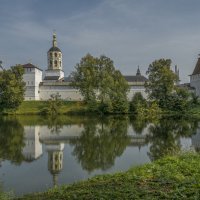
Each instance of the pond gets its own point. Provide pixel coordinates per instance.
(37, 152)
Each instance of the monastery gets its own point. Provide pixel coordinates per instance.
(40, 86)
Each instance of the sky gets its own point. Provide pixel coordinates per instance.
(130, 32)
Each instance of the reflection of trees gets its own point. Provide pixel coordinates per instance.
(164, 137)
(101, 142)
(138, 124)
(11, 140)
(54, 123)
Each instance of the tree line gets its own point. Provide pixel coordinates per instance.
(104, 89)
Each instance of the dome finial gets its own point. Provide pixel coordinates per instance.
(54, 39)
(138, 71)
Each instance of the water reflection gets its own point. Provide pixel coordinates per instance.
(94, 143)
(164, 136)
(11, 140)
(100, 142)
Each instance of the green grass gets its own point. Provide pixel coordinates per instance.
(176, 177)
(35, 108)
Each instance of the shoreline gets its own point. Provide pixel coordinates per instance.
(169, 177)
(80, 108)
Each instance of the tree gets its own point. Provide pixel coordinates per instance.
(137, 101)
(194, 99)
(162, 89)
(101, 84)
(53, 105)
(12, 88)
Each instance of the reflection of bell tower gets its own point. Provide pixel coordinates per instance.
(55, 160)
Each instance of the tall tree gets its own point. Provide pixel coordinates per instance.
(161, 86)
(12, 87)
(100, 83)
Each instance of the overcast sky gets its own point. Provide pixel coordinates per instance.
(130, 32)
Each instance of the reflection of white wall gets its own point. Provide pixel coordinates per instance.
(70, 131)
(33, 148)
(55, 147)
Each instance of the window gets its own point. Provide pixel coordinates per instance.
(55, 54)
(55, 62)
(50, 54)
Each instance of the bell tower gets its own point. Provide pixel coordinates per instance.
(55, 65)
(54, 56)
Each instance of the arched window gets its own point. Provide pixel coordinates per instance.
(50, 54)
(56, 63)
(55, 54)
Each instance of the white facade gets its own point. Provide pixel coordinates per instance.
(66, 92)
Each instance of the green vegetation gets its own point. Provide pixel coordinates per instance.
(38, 107)
(172, 177)
(12, 88)
(137, 101)
(161, 87)
(11, 140)
(108, 136)
(103, 87)
(53, 105)
(105, 92)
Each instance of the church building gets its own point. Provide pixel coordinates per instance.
(40, 86)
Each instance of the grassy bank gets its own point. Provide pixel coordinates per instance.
(176, 177)
(36, 107)
(72, 107)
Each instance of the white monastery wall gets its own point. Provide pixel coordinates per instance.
(66, 92)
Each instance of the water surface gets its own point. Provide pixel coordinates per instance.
(37, 153)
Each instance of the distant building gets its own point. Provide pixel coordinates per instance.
(54, 81)
(195, 78)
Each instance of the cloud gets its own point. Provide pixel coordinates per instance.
(131, 32)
